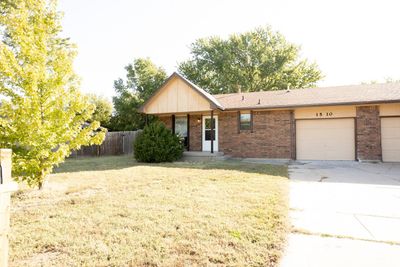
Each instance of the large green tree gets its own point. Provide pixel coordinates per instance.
(43, 114)
(257, 60)
(103, 109)
(142, 79)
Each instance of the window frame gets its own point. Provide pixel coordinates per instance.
(180, 119)
(185, 137)
(249, 123)
(210, 129)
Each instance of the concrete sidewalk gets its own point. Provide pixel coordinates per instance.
(350, 200)
(316, 251)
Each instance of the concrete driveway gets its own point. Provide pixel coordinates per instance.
(344, 214)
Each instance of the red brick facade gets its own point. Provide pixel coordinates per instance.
(274, 134)
(271, 136)
(368, 133)
(167, 120)
(195, 133)
(194, 130)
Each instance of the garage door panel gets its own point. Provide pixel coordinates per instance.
(390, 139)
(391, 122)
(392, 133)
(391, 144)
(329, 139)
(391, 156)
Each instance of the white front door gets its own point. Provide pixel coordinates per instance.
(206, 136)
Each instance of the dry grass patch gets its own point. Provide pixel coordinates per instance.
(114, 212)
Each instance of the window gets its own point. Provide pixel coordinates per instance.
(208, 130)
(245, 121)
(181, 126)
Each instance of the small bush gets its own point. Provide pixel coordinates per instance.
(157, 144)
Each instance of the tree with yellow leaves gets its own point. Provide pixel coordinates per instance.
(43, 115)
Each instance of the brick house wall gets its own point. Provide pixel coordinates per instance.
(195, 133)
(271, 136)
(368, 133)
(167, 120)
(274, 134)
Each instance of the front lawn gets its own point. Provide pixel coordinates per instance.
(112, 211)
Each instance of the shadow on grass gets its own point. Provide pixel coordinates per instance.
(233, 165)
(122, 162)
(82, 164)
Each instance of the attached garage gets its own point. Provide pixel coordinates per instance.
(360, 122)
(390, 139)
(325, 139)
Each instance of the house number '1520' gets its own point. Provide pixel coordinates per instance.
(324, 114)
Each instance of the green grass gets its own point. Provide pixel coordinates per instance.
(112, 211)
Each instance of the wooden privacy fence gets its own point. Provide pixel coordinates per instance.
(115, 143)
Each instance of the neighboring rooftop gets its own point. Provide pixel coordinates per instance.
(337, 95)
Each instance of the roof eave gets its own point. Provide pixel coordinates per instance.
(372, 102)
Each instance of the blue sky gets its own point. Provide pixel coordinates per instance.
(351, 41)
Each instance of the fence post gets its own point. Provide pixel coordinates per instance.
(123, 143)
(7, 186)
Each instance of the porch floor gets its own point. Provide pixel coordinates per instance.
(202, 156)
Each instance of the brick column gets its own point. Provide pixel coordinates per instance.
(195, 132)
(293, 135)
(368, 133)
(6, 188)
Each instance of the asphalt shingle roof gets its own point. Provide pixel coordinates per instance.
(338, 95)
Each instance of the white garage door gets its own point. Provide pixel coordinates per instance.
(325, 139)
(390, 139)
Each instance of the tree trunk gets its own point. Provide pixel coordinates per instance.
(41, 180)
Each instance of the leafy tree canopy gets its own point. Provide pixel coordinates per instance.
(142, 79)
(257, 60)
(103, 109)
(43, 116)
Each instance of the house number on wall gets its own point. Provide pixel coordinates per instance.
(324, 114)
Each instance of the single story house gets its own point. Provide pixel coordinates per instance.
(358, 122)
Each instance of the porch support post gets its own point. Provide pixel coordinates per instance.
(212, 131)
(202, 132)
(188, 132)
(251, 120)
(173, 123)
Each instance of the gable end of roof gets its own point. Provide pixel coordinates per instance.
(213, 101)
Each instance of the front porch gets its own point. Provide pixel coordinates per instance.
(188, 111)
(199, 130)
(202, 156)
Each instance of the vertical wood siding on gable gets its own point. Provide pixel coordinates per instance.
(177, 97)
